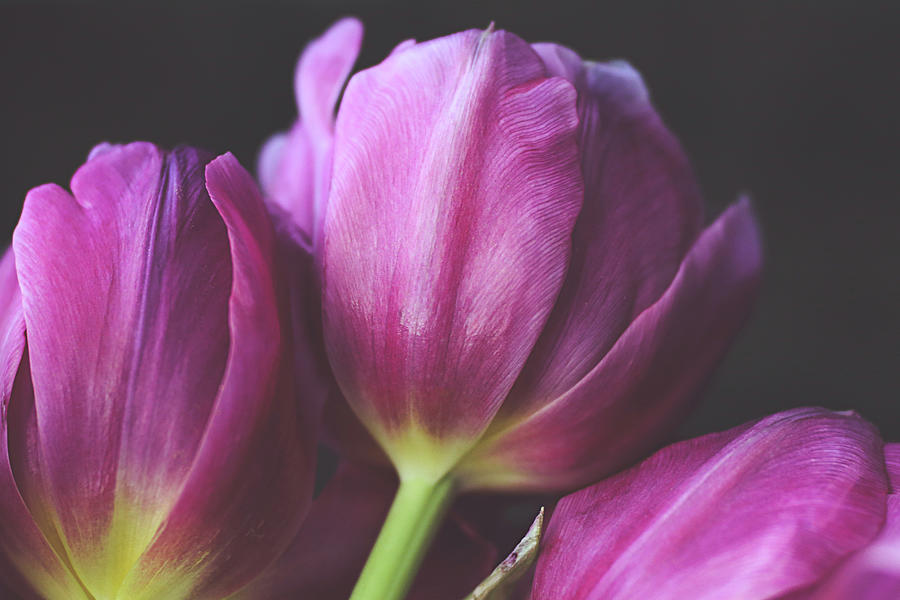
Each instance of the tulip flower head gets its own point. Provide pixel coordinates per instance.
(516, 287)
(151, 444)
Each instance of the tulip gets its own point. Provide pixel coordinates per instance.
(769, 509)
(516, 290)
(150, 429)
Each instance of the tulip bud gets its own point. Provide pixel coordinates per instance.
(150, 430)
(516, 288)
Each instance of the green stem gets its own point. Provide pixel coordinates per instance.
(413, 520)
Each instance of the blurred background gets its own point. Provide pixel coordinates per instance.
(797, 103)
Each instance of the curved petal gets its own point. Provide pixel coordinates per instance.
(403, 46)
(874, 572)
(294, 167)
(643, 385)
(749, 513)
(12, 325)
(295, 266)
(642, 212)
(447, 231)
(29, 563)
(325, 559)
(321, 72)
(125, 289)
(343, 431)
(287, 174)
(251, 480)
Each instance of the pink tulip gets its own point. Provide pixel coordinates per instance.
(516, 287)
(786, 507)
(151, 439)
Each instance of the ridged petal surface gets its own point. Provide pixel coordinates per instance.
(753, 512)
(447, 232)
(642, 212)
(645, 383)
(125, 286)
(873, 573)
(251, 479)
(30, 565)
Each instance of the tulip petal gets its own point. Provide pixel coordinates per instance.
(447, 231)
(321, 72)
(295, 266)
(874, 572)
(749, 513)
(403, 46)
(328, 553)
(640, 389)
(294, 167)
(642, 212)
(29, 564)
(892, 465)
(12, 325)
(250, 482)
(125, 288)
(287, 173)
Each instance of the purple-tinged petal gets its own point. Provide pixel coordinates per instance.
(250, 482)
(873, 573)
(403, 46)
(321, 72)
(29, 563)
(342, 430)
(326, 557)
(331, 547)
(32, 546)
(295, 266)
(753, 512)
(294, 167)
(12, 324)
(642, 212)
(644, 384)
(459, 558)
(125, 289)
(287, 174)
(892, 465)
(101, 149)
(447, 232)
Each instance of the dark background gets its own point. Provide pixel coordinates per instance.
(795, 102)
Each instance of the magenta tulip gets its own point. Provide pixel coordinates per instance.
(765, 510)
(516, 288)
(151, 437)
